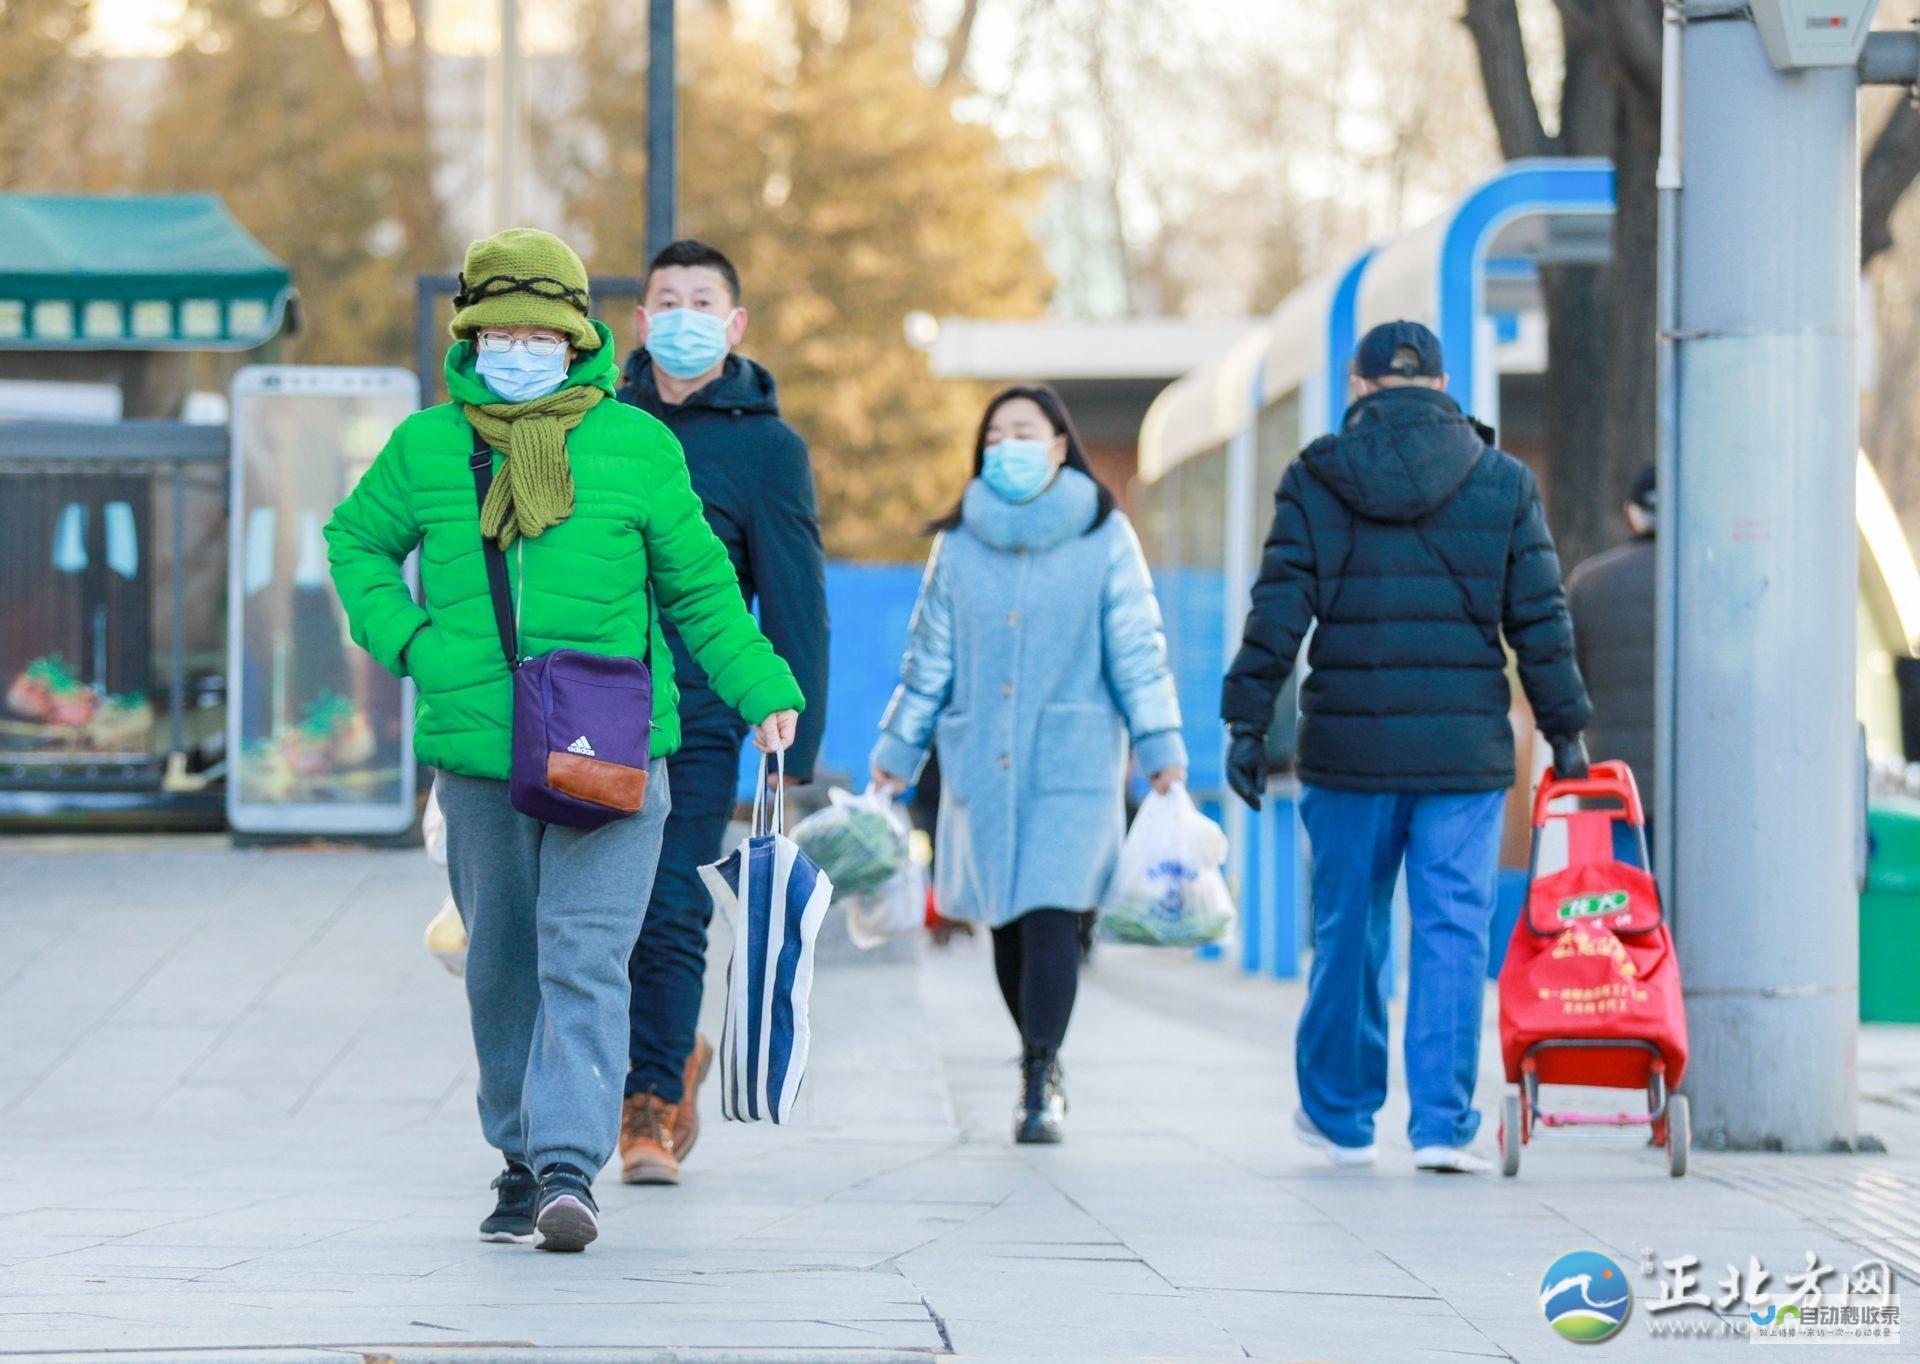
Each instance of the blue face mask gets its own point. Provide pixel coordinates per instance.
(516, 377)
(1017, 469)
(686, 343)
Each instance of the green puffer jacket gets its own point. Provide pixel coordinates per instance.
(580, 585)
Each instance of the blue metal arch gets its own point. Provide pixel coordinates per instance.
(1566, 185)
(1342, 334)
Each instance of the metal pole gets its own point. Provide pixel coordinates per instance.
(1760, 509)
(509, 120)
(1667, 183)
(663, 136)
(177, 601)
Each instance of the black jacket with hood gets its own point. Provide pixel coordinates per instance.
(1611, 599)
(1414, 544)
(751, 472)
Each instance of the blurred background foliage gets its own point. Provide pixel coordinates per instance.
(867, 160)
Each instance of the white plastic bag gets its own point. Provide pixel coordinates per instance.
(899, 908)
(433, 828)
(860, 842)
(1168, 890)
(865, 844)
(447, 938)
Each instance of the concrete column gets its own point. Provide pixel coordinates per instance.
(1763, 595)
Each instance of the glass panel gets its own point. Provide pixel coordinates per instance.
(75, 640)
(321, 736)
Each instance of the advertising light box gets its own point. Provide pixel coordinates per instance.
(319, 736)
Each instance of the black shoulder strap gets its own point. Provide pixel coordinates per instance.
(497, 586)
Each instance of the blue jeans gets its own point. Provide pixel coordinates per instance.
(1450, 843)
(669, 963)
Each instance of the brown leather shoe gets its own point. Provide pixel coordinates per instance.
(686, 1123)
(646, 1141)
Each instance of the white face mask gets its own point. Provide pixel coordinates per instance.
(517, 377)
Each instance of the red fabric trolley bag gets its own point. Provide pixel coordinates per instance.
(1590, 989)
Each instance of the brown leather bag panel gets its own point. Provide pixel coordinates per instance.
(601, 783)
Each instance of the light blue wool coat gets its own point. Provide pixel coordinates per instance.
(1035, 651)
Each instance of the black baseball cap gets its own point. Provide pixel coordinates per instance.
(1373, 357)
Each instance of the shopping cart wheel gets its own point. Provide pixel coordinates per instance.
(1511, 1135)
(1679, 1134)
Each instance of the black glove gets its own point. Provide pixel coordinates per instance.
(1569, 755)
(1247, 765)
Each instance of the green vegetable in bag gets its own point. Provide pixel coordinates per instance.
(856, 841)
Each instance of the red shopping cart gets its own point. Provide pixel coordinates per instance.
(1590, 989)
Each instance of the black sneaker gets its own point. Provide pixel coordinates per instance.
(512, 1218)
(569, 1219)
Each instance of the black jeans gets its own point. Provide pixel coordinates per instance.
(1036, 959)
(669, 963)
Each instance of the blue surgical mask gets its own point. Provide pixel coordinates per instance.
(516, 377)
(1017, 469)
(686, 343)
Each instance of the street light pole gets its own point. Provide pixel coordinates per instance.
(509, 120)
(1759, 594)
(663, 136)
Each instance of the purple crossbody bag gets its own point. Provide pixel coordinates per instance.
(582, 722)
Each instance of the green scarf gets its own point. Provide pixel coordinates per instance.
(535, 486)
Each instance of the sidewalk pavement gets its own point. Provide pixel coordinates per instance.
(236, 1119)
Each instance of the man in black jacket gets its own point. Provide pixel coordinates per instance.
(753, 476)
(1413, 544)
(1611, 597)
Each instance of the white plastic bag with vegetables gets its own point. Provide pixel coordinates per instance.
(864, 844)
(446, 934)
(1168, 890)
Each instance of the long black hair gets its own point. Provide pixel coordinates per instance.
(1049, 402)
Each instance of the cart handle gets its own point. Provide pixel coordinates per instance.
(1611, 779)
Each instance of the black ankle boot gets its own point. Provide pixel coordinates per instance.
(1043, 1103)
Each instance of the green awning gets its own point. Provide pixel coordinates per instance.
(134, 272)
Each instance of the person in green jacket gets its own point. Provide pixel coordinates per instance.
(592, 505)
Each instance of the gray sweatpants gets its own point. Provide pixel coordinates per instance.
(552, 915)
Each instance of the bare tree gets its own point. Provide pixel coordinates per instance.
(1600, 397)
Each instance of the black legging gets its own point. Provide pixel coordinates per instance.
(1036, 959)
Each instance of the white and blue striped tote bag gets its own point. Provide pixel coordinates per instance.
(775, 898)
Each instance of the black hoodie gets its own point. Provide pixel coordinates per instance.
(753, 476)
(1414, 544)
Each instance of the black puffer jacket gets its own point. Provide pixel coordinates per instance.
(1414, 543)
(755, 481)
(1611, 598)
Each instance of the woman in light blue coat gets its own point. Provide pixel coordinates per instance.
(1035, 654)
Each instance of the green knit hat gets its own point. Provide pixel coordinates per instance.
(524, 277)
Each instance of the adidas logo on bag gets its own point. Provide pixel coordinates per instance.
(581, 746)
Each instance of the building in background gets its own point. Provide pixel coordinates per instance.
(1109, 372)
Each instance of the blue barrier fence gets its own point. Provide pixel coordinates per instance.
(869, 605)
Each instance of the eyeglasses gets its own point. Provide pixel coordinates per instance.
(501, 342)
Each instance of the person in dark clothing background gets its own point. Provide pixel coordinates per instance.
(751, 472)
(1611, 597)
(1414, 544)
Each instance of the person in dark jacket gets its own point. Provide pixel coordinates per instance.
(1414, 545)
(752, 474)
(1611, 598)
